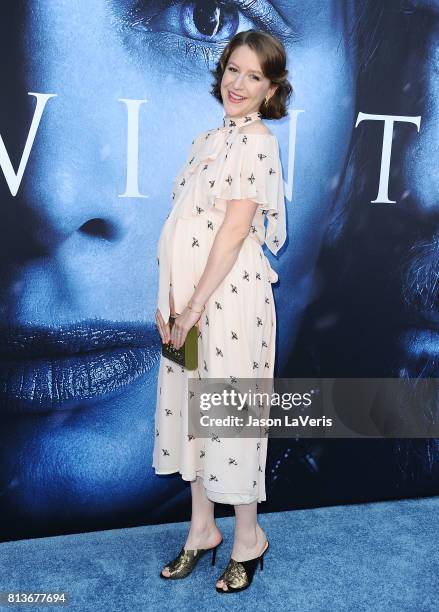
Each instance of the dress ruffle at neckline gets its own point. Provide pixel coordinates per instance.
(229, 122)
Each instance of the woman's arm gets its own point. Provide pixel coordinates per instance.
(225, 249)
(223, 254)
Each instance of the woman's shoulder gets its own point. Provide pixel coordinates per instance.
(201, 137)
(198, 137)
(257, 128)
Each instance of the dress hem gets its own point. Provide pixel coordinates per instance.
(211, 491)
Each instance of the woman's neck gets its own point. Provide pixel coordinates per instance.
(234, 121)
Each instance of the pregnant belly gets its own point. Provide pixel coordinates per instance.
(191, 245)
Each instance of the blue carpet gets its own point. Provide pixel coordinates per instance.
(378, 556)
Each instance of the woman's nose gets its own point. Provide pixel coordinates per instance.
(239, 81)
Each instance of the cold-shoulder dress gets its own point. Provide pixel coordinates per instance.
(237, 329)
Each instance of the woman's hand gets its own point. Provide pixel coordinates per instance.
(182, 325)
(164, 328)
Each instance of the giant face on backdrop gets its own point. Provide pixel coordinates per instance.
(418, 342)
(389, 281)
(98, 110)
(377, 315)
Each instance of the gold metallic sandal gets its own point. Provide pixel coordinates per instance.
(186, 560)
(238, 575)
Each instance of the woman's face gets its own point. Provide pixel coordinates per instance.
(114, 88)
(243, 86)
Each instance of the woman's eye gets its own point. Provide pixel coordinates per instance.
(253, 76)
(197, 29)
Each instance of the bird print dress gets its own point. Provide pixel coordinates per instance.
(236, 336)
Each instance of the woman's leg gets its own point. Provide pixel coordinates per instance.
(249, 539)
(203, 532)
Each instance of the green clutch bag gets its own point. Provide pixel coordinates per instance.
(187, 355)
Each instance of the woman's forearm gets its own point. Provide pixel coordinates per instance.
(222, 257)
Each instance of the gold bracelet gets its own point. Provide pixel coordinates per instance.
(193, 309)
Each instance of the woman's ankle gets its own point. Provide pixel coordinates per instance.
(203, 526)
(204, 536)
(249, 536)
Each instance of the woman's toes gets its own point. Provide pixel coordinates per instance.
(222, 585)
(166, 572)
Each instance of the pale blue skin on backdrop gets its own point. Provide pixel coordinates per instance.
(97, 459)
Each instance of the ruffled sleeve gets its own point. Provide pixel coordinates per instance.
(252, 170)
(181, 177)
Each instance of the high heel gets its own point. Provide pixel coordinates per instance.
(238, 575)
(186, 560)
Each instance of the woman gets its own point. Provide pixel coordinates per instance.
(162, 50)
(214, 274)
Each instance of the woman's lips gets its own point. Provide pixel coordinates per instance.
(47, 369)
(233, 100)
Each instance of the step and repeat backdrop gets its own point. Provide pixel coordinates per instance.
(99, 104)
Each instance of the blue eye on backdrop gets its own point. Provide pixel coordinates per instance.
(199, 28)
(204, 21)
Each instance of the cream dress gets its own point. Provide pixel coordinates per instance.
(237, 330)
